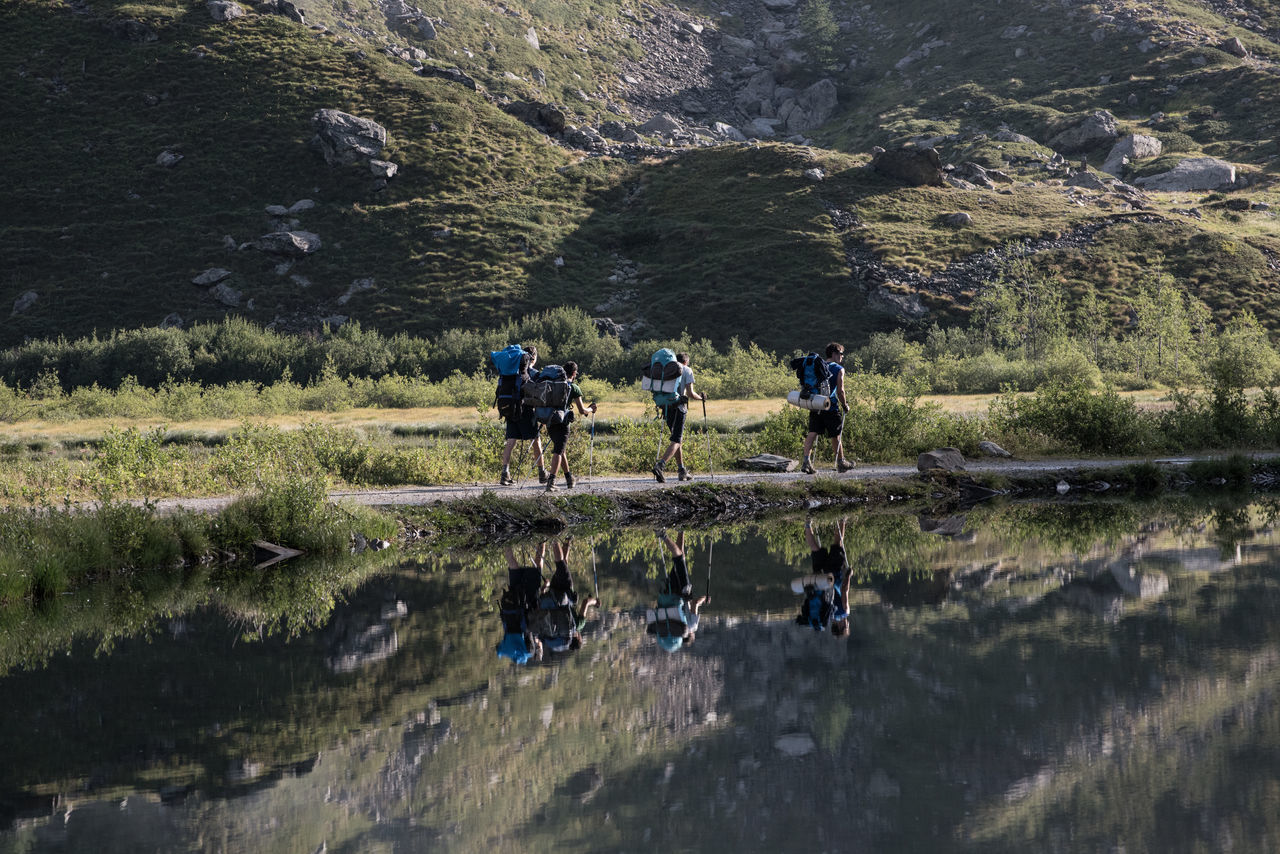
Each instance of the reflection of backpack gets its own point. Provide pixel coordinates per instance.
(553, 622)
(817, 608)
(548, 393)
(663, 377)
(669, 619)
(814, 376)
(511, 363)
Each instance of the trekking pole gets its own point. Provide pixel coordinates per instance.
(595, 580)
(711, 553)
(591, 459)
(706, 432)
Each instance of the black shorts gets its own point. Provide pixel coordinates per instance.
(522, 426)
(562, 582)
(828, 559)
(827, 422)
(678, 581)
(559, 436)
(523, 584)
(675, 420)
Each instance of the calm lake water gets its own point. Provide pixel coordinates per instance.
(1029, 677)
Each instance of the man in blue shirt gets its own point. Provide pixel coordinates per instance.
(830, 421)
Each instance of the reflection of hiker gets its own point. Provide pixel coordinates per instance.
(558, 428)
(675, 416)
(675, 618)
(826, 591)
(830, 421)
(521, 425)
(519, 643)
(557, 627)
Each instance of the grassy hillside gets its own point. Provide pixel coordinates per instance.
(489, 219)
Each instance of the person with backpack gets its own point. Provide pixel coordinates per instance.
(524, 584)
(554, 622)
(521, 423)
(675, 413)
(826, 591)
(674, 619)
(829, 421)
(558, 421)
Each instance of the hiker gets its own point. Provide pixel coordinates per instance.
(554, 623)
(524, 583)
(558, 428)
(826, 591)
(830, 421)
(675, 414)
(675, 617)
(521, 424)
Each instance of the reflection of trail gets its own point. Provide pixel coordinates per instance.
(1179, 729)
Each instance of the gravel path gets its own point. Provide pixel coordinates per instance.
(418, 495)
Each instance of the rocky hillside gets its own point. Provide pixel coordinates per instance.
(772, 169)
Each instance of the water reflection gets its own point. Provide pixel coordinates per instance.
(1061, 677)
(674, 618)
(537, 613)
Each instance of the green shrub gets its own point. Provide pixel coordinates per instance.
(1076, 417)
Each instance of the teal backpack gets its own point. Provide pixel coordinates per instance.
(663, 377)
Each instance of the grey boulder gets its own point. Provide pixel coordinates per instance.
(344, 139)
(293, 244)
(947, 459)
(1090, 132)
(1195, 173)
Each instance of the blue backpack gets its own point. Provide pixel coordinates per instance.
(817, 608)
(511, 363)
(663, 377)
(814, 375)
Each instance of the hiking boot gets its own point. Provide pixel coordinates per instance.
(568, 481)
(844, 465)
(542, 475)
(657, 472)
(807, 467)
(682, 473)
(551, 486)
(505, 479)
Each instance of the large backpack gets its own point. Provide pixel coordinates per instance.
(553, 622)
(814, 376)
(512, 363)
(669, 619)
(547, 392)
(817, 608)
(663, 377)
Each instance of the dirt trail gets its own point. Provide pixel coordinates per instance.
(529, 489)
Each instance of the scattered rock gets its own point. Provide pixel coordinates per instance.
(1090, 132)
(531, 36)
(345, 139)
(295, 244)
(947, 459)
(991, 449)
(453, 75)
(354, 288)
(1130, 148)
(225, 294)
(172, 320)
(959, 219)
(1063, 487)
(224, 10)
(301, 205)
(1235, 47)
(1086, 181)
(796, 744)
(168, 158)
(913, 166)
(276, 210)
(211, 276)
(1195, 173)
(131, 30)
(426, 29)
(383, 169)
(767, 462)
(661, 124)
(816, 175)
(24, 302)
